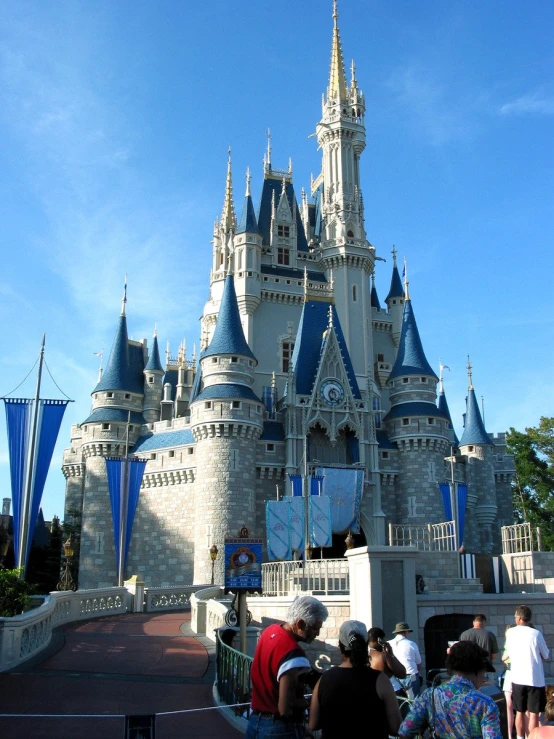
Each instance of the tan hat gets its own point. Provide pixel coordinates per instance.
(401, 626)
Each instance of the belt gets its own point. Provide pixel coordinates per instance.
(275, 717)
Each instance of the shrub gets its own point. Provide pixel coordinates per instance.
(14, 593)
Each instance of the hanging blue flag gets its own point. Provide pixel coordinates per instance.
(278, 529)
(296, 522)
(345, 488)
(321, 534)
(296, 484)
(316, 485)
(29, 475)
(462, 501)
(446, 501)
(115, 467)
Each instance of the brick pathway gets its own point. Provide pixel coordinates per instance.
(123, 665)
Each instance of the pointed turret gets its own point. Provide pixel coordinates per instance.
(153, 383)
(411, 359)
(228, 217)
(154, 364)
(396, 288)
(337, 89)
(374, 297)
(474, 428)
(445, 410)
(248, 222)
(228, 336)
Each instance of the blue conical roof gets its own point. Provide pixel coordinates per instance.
(396, 288)
(124, 370)
(375, 298)
(248, 222)
(443, 406)
(154, 363)
(410, 359)
(474, 430)
(228, 336)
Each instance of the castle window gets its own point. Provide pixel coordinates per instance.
(499, 457)
(236, 404)
(190, 450)
(153, 455)
(283, 231)
(384, 455)
(266, 279)
(85, 429)
(234, 360)
(283, 255)
(277, 279)
(234, 460)
(150, 379)
(214, 360)
(127, 396)
(423, 379)
(350, 234)
(207, 405)
(109, 395)
(354, 293)
(270, 447)
(105, 427)
(405, 421)
(394, 302)
(288, 282)
(405, 380)
(470, 448)
(430, 421)
(131, 428)
(99, 542)
(380, 357)
(286, 355)
(171, 453)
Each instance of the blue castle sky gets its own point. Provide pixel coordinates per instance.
(114, 129)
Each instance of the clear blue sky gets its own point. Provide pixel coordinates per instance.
(114, 128)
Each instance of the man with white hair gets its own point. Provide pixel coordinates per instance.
(278, 670)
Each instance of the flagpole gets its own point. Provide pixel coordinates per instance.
(26, 502)
(123, 511)
(306, 492)
(454, 503)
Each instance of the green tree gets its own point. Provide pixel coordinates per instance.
(14, 593)
(533, 484)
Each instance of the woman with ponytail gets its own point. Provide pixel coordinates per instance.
(353, 694)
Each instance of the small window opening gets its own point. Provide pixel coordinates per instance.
(405, 421)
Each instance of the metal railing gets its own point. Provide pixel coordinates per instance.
(431, 537)
(520, 538)
(232, 675)
(318, 576)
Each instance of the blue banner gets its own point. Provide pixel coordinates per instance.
(30, 474)
(278, 529)
(316, 485)
(321, 534)
(345, 488)
(296, 523)
(115, 468)
(446, 500)
(296, 484)
(462, 501)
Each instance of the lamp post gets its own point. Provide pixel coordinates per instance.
(66, 581)
(213, 555)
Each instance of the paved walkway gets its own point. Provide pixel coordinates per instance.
(115, 666)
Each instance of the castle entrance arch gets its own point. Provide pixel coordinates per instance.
(438, 631)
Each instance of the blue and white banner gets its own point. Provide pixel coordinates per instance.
(468, 565)
(278, 526)
(497, 574)
(29, 474)
(296, 523)
(316, 485)
(345, 488)
(321, 534)
(462, 501)
(296, 484)
(446, 500)
(115, 468)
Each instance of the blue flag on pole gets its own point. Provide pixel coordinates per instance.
(446, 501)
(278, 528)
(296, 484)
(115, 467)
(462, 501)
(19, 416)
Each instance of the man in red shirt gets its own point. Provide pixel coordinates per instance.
(278, 702)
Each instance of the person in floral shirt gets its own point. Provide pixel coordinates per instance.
(457, 709)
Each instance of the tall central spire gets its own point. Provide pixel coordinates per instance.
(337, 79)
(228, 217)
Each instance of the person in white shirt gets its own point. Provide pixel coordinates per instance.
(526, 649)
(407, 652)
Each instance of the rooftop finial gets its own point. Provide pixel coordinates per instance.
(305, 283)
(124, 299)
(290, 166)
(330, 316)
(337, 79)
(353, 82)
(167, 354)
(469, 374)
(101, 355)
(331, 280)
(228, 218)
(155, 330)
(247, 182)
(406, 283)
(394, 253)
(273, 380)
(268, 153)
(441, 368)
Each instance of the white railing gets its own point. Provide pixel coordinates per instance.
(172, 598)
(318, 576)
(432, 537)
(520, 538)
(24, 636)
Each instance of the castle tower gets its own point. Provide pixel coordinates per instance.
(345, 249)
(247, 263)
(417, 427)
(395, 300)
(478, 448)
(153, 384)
(119, 392)
(226, 422)
(443, 407)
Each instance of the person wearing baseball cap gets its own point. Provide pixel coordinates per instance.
(407, 652)
(352, 693)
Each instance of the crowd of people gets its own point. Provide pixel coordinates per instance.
(364, 690)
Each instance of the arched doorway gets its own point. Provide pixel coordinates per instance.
(438, 631)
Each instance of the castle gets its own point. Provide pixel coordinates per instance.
(295, 345)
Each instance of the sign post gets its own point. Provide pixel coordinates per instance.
(243, 573)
